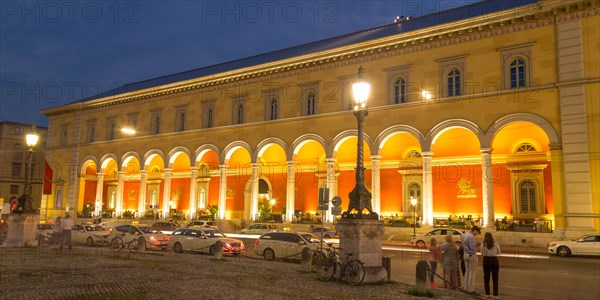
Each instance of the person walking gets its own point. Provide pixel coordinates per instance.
(470, 256)
(434, 254)
(67, 226)
(57, 234)
(450, 263)
(490, 252)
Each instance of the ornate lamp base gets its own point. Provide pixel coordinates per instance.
(22, 230)
(362, 238)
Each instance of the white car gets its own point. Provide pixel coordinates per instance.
(259, 228)
(202, 224)
(424, 240)
(153, 238)
(90, 234)
(286, 245)
(328, 232)
(585, 245)
(204, 240)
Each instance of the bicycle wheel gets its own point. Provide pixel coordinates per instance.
(354, 272)
(132, 246)
(318, 259)
(117, 244)
(43, 241)
(326, 269)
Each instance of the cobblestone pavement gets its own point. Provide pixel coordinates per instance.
(98, 273)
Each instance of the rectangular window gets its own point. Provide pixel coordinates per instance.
(110, 129)
(17, 169)
(91, 133)
(64, 134)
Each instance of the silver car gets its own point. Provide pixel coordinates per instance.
(204, 240)
(90, 234)
(153, 238)
(585, 245)
(286, 245)
(424, 240)
(259, 228)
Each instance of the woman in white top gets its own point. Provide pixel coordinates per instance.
(490, 251)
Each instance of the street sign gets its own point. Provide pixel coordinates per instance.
(336, 201)
(323, 198)
(336, 210)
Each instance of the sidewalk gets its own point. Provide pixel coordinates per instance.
(97, 273)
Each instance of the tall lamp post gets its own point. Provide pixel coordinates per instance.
(413, 202)
(360, 197)
(31, 139)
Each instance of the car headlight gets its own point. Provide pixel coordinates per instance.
(552, 244)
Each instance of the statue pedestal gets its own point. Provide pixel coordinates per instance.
(22, 230)
(363, 239)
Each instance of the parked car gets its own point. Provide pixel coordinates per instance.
(44, 233)
(259, 228)
(424, 240)
(154, 239)
(165, 227)
(328, 232)
(202, 224)
(204, 240)
(90, 234)
(286, 245)
(585, 245)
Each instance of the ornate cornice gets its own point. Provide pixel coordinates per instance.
(518, 19)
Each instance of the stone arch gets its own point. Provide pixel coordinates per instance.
(127, 158)
(173, 154)
(444, 126)
(151, 154)
(228, 151)
(522, 117)
(263, 145)
(106, 159)
(303, 139)
(202, 150)
(344, 135)
(390, 131)
(85, 162)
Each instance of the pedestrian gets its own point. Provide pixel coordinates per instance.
(490, 252)
(450, 263)
(57, 234)
(67, 226)
(470, 256)
(461, 253)
(434, 254)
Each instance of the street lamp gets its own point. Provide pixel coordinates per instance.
(360, 197)
(413, 202)
(25, 201)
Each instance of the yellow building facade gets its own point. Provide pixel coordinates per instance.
(491, 114)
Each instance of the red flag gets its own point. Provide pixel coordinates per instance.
(47, 178)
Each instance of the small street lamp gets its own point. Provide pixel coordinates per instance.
(413, 202)
(25, 201)
(360, 197)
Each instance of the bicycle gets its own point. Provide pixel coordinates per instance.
(352, 270)
(133, 244)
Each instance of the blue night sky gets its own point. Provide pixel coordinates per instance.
(56, 52)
